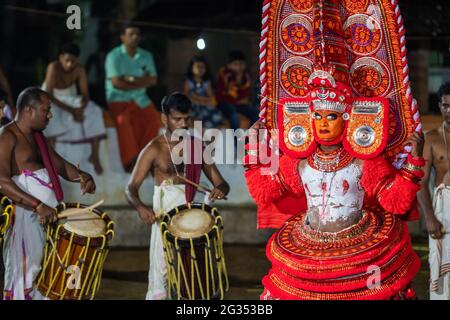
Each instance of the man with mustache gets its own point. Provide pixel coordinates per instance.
(29, 172)
(130, 70)
(170, 191)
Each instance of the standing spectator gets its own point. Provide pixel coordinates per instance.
(233, 90)
(434, 205)
(130, 70)
(198, 88)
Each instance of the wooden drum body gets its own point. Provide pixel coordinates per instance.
(192, 239)
(74, 255)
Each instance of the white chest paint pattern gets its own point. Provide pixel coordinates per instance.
(334, 195)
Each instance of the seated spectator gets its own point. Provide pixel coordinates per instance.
(233, 90)
(76, 119)
(198, 88)
(130, 70)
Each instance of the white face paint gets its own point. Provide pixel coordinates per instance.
(333, 196)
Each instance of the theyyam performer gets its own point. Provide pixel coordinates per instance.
(336, 100)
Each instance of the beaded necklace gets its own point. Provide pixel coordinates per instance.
(329, 161)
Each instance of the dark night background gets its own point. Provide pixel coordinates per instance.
(32, 31)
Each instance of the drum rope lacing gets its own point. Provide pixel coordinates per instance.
(92, 277)
(175, 276)
(6, 215)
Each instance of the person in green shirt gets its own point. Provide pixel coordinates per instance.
(130, 70)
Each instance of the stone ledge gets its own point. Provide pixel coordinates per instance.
(240, 227)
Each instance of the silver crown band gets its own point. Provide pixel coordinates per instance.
(328, 105)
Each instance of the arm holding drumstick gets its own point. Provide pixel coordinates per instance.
(200, 187)
(143, 166)
(221, 187)
(72, 173)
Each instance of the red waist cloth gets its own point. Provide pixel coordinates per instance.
(135, 127)
(373, 259)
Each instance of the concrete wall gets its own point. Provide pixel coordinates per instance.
(239, 212)
(180, 51)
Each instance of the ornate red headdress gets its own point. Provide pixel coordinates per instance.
(343, 55)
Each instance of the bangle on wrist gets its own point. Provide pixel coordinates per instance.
(411, 177)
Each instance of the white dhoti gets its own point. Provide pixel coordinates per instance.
(439, 257)
(166, 197)
(25, 240)
(65, 129)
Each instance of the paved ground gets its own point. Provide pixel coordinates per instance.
(125, 272)
(125, 275)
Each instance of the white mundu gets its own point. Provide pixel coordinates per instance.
(64, 128)
(25, 240)
(166, 197)
(439, 257)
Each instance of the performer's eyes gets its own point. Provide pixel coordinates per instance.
(332, 116)
(317, 116)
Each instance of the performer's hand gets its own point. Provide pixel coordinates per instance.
(434, 228)
(46, 214)
(87, 183)
(216, 194)
(147, 215)
(417, 142)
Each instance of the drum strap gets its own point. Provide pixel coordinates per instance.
(193, 168)
(49, 165)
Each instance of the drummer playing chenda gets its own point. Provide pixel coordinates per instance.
(170, 190)
(29, 172)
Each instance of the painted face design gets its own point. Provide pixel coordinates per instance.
(329, 125)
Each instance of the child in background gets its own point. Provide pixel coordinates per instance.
(198, 88)
(233, 90)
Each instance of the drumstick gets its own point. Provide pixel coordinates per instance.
(79, 211)
(199, 186)
(81, 219)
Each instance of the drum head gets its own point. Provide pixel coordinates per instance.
(86, 228)
(190, 223)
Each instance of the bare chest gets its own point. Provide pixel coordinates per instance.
(64, 79)
(441, 154)
(164, 167)
(441, 164)
(26, 156)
